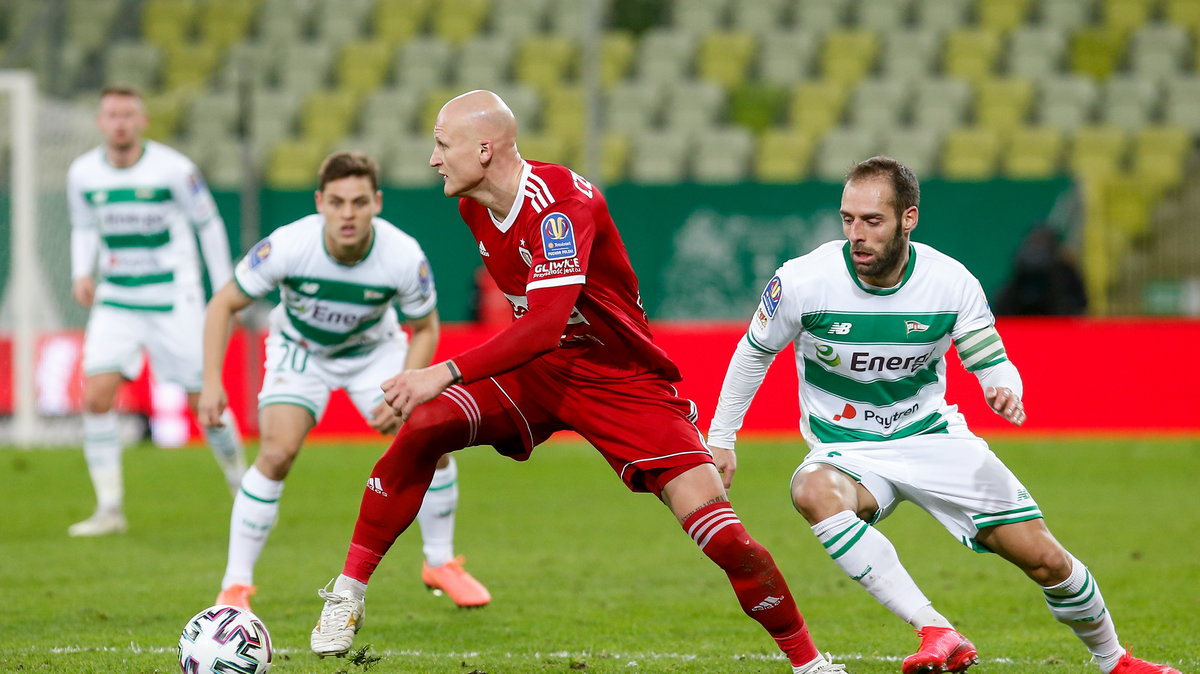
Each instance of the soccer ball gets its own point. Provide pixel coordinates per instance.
(224, 640)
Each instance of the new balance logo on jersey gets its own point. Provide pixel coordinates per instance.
(841, 328)
(483, 251)
(914, 326)
(376, 485)
(768, 603)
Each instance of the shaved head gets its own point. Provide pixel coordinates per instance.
(482, 116)
(476, 148)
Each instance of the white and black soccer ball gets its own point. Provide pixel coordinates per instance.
(225, 640)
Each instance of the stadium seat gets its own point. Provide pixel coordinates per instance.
(817, 106)
(616, 54)
(189, 65)
(1098, 151)
(336, 23)
(757, 106)
(909, 54)
(759, 17)
(665, 56)
(1036, 52)
(723, 155)
(1157, 50)
(1067, 15)
(1128, 102)
(725, 57)
(134, 63)
(272, 117)
(842, 148)
(293, 164)
(523, 100)
(1097, 51)
(785, 56)
(362, 65)
(423, 63)
(1125, 16)
(694, 106)
(1002, 16)
(972, 54)
(1182, 106)
(484, 60)
(614, 158)
(246, 62)
(89, 23)
(546, 61)
(1159, 155)
(225, 22)
(566, 18)
(164, 111)
(305, 67)
(877, 104)
(848, 55)
(212, 115)
(942, 15)
(398, 21)
(1033, 152)
(563, 114)
(883, 16)
(1003, 104)
(633, 107)
(457, 21)
(970, 153)
(820, 16)
(168, 22)
(1185, 14)
(431, 105)
(783, 155)
(390, 112)
(1067, 102)
(699, 17)
(407, 161)
(940, 103)
(328, 116)
(543, 147)
(517, 18)
(917, 148)
(284, 22)
(660, 157)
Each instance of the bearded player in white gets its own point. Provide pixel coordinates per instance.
(138, 207)
(872, 318)
(340, 272)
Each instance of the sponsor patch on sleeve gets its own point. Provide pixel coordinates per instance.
(558, 237)
(425, 278)
(196, 183)
(260, 252)
(771, 296)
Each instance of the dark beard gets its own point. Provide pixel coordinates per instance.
(887, 260)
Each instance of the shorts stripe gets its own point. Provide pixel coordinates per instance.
(470, 408)
(660, 458)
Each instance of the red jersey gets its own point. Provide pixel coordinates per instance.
(559, 232)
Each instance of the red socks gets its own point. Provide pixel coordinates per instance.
(757, 582)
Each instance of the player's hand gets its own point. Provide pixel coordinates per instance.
(384, 419)
(412, 387)
(84, 291)
(1006, 403)
(726, 460)
(211, 405)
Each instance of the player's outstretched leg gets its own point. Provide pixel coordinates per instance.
(394, 493)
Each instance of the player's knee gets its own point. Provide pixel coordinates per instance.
(97, 400)
(820, 492)
(1049, 566)
(274, 461)
(436, 428)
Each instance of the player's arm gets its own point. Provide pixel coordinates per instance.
(202, 211)
(422, 341)
(745, 374)
(218, 323)
(85, 244)
(982, 353)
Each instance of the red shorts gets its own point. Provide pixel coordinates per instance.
(645, 431)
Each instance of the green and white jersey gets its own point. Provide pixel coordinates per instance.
(334, 309)
(145, 217)
(871, 361)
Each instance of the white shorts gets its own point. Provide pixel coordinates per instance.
(294, 376)
(954, 477)
(115, 339)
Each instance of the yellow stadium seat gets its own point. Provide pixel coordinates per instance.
(456, 21)
(545, 62)
(817, 106)
(970, 153)
(1184, 13)
(434, 100)
(164, 112)
(189, 65)
(397, 21)
(1098, 151)
(1126, 16)
(1002, 16)
(563, 113)
(1158, 171)
(1033, 152)
(614, 158)
(293, 163)
(225, 22)
(848, 55)
(543, 147)
(363, 66)
(783, 155)
(1127, 204)
(327, 116)
(1003, 104)
(725, 56)
(616, 54)
(971, 54)
(1163, 140)
(167, 22)
(1097, 51)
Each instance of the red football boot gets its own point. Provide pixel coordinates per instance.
(1131, 665)
(942, 650)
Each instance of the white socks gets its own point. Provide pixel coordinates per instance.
(867, 556)
(102, 451)
(436, 516)
(226, 444)
(255, 508)
(358, 589)
(1077, 603)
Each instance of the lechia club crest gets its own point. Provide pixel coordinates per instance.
(558, 237)
(260, 252)
(771, 296)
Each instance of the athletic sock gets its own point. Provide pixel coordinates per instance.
(1077, 603)
(255, 509)
(102, 451)
(867, 556)
(226, 444)
(358, 589)
(436, 516)
(760, 588)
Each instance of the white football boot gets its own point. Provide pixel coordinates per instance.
(819, 666)
(341, 618)
(102, 523)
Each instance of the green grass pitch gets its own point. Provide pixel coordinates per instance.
(584, 575)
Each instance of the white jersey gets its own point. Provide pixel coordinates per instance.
(333, 309)
(146, 217)
(871, 361)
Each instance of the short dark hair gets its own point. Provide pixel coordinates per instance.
(121, 90)
(345, 164)
(906, 191)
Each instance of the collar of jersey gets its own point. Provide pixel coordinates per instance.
(517, 203)
(141, 155)
(908, 271)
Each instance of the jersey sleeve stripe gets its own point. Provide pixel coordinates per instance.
(574, 279)
(758, 347)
